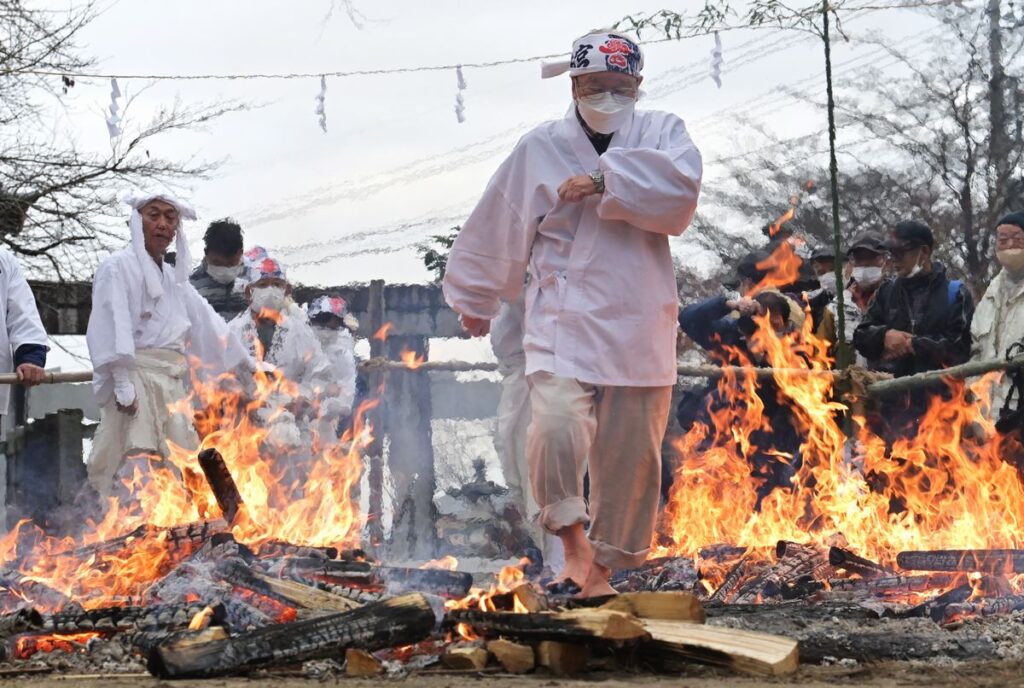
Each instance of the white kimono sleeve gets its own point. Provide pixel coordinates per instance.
(109, 335)
(212, 341)
(344, 359)
(653, 189)
(23, 323)
(488, 262)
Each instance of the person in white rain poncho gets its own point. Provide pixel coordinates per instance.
(147, 321)
(278, 335)
(586, 204)
(23, 341)
(333, 326)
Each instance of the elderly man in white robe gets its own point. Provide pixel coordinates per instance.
(586, 204)
(147, 323)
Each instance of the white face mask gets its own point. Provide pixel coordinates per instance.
(1012, 259)
(606, 113)
(828, 282)
(867, 276)
(271, 298)
(223, 274)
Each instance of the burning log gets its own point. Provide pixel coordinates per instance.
(795, 561)
(33, 592)
(189, 537)
(273, 549)
(221, 483)
(865, 568)
(436, 581)
(398, 621)
(732, 581)
(21, 621)
(572, 625)
(289, 592)
(986, 606)
(162, 617)
(25, 646)
(966, 560)
(935, 608)
(746, 651)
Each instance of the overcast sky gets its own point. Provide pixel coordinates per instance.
(395, 166)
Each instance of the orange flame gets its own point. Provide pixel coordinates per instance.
(28, 645)
(201, 619)
(412, 360)
(507, 580)
(782, 268)
(445, 563)
(382, 334)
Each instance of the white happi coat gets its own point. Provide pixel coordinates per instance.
(19, 319)
(294, 351)
(601, 304)
(125, 319)
(998, 322)
(339, 348)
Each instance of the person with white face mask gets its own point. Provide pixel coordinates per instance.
(218, 277)
(865, 259)
(999, 320)
(587, 204)
(334, 326)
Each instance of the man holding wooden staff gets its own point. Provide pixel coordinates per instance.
(587, 204)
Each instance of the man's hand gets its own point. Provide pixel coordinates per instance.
(30, 375)
(476, 327)
(577, 188)
(897, 345)
(131, 409)
(745, 306)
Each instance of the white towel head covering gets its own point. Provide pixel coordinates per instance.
(598, 51)
(150, 270)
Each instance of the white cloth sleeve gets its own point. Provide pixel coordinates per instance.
(23, 323)
(109, 335)
(487, 263)
(655, 190)
(212, 341)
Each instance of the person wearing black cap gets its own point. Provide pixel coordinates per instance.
(919, 321)
(999, 320)
(865, 261)
(823, 265)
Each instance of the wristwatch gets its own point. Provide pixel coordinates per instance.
(597, 176)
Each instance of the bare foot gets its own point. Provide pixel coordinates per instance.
(578, 554)
(597, 584)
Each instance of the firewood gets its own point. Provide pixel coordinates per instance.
(153, 617)
(678, 606)
(513, 657)
(575, 624)
(398, 621)
(986, 606)
(221, 483)
(32, 592)
(21, 621)
(563, 659)
(865, 568)
(731, 582)
(985, 560)
(741, 650)
(463, 658)
(531, 600)
(272, 549)
(361, 663)
(288, 591)
(435, 581)
(935, 608)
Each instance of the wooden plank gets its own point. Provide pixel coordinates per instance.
(361, 663)
(514, 658)
(465, 658)
(745, 651)
(563, 659)
(672, 605)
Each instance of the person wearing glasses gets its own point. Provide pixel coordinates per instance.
(586, 205)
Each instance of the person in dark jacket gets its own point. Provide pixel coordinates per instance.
(723, 327)
(215, 278)
(918, 321)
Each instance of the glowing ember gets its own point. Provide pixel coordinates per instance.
(28, 645)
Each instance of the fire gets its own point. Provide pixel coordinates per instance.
(301, 495)
(445, 563)
(28, 645)
(412, 360)
(508, 579)
(783, 219)
(782, 268)
(956, 491)
(382, 334)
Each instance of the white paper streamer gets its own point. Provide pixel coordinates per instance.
(320, 98)
(114, 118)
(716, 61)
(460, 103)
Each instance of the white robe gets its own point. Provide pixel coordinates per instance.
(125, 319)
(601, 304)
(339, 347)
(19, 319)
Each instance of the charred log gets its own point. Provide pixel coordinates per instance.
(984, 560)
(935, 608)
(221, 483)
(21, 621)
(32, 592)
(987, 606)
(399, 621)
(285, 591)
(164, 616)
(576, 625)
(854, 564)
